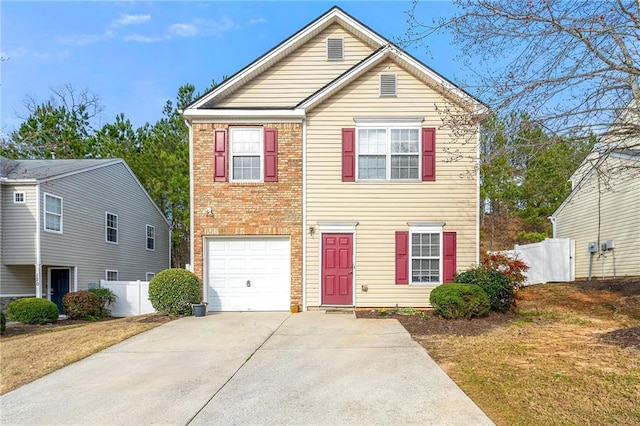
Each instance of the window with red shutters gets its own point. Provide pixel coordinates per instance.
(428, 154)
(270, 155)
(220, 156)
(348, 155)
(402, 257)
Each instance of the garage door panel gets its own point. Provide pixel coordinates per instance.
(265, 262)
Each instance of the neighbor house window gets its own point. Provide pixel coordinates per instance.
(387, 153)
(151, 237)
(111, 227)
(52, 213)
(426, 249)
(150, 276)
(111, 275)
(246, 153)
(19, 197)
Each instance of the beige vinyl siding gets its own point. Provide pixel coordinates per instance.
(302, 73)
(86, 198)
(17, 279)
(382, 208)
(619, 221)
(19, 226)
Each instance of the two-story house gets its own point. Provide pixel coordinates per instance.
(67, 224)
(334, 170)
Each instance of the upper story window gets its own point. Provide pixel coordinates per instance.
(388, 153)
(388, 85)
(52, 213)
(111, 227)
(335, 49)
(151, 237)
(19, 197)
(246, 146)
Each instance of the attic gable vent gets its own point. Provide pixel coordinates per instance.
(335, 49)
(388, 85)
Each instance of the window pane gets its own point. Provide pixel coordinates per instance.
(246, 168)
(371, 167)
(54, 205)
(404, 167)
(52, 222)
(372, 141)
(404, 141)
(245, 141)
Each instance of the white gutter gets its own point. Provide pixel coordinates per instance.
(553, 224)
(38, 250)
(229, 113)
(304, 215)
(191, 226)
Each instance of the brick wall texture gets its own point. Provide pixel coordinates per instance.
(251, 209)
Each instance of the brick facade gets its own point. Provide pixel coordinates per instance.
(239, 208)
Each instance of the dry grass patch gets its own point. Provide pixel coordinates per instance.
(30, 355)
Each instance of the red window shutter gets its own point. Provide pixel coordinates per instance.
(429, 154)
(348, 155)
(220, 156)
(449, 256)
(402, 257)
(270, 155)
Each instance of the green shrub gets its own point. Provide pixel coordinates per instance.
(33, 310)
(172, 291)
(495, 283)
(107, 298)
(82, 305)
(3, 323)
(455, 301)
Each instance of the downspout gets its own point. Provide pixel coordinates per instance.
(304, 215)
(191, 227)
(38, 251)
(553, 225)
(478, 195)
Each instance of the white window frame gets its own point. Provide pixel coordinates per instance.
(232, 130)
(146, 239)
(112, 271)
(19, 193)
(426, 230)
(60, 215)
(327, 49)
(149, 276)
(388, 127)
(107, 227)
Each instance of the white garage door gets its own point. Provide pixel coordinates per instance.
(248, 274)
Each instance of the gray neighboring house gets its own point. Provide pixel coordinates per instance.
(67, 224)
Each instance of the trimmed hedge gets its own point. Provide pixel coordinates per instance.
(495, 283)
(33, 310)
(456, 301)
(82, 305)
(172, 291)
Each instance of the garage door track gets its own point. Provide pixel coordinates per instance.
(250, 368)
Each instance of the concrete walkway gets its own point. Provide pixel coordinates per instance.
(250, 368)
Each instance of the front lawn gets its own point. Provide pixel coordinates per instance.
(570, 355)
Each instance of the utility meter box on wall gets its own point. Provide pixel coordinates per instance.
(593, 247)
(610, 244)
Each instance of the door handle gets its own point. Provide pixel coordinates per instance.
(351, 270)
(248, 283)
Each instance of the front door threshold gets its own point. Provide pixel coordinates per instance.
(337, 309)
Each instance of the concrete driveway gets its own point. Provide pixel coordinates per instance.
(250, 368)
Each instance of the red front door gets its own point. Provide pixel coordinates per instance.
(337, 269)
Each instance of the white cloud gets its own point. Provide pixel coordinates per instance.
(256, 21)
(210, 27)
(142, 39)
(125, 19)
(182, 30)
(24, 53)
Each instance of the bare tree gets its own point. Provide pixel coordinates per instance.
(573, 66)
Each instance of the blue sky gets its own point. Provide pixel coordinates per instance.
(135, 55)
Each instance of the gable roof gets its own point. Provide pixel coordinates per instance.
(39, 170)
(626, 154)
(384, 49)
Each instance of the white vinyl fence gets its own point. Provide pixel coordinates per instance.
(552, 260)
(132, 298)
